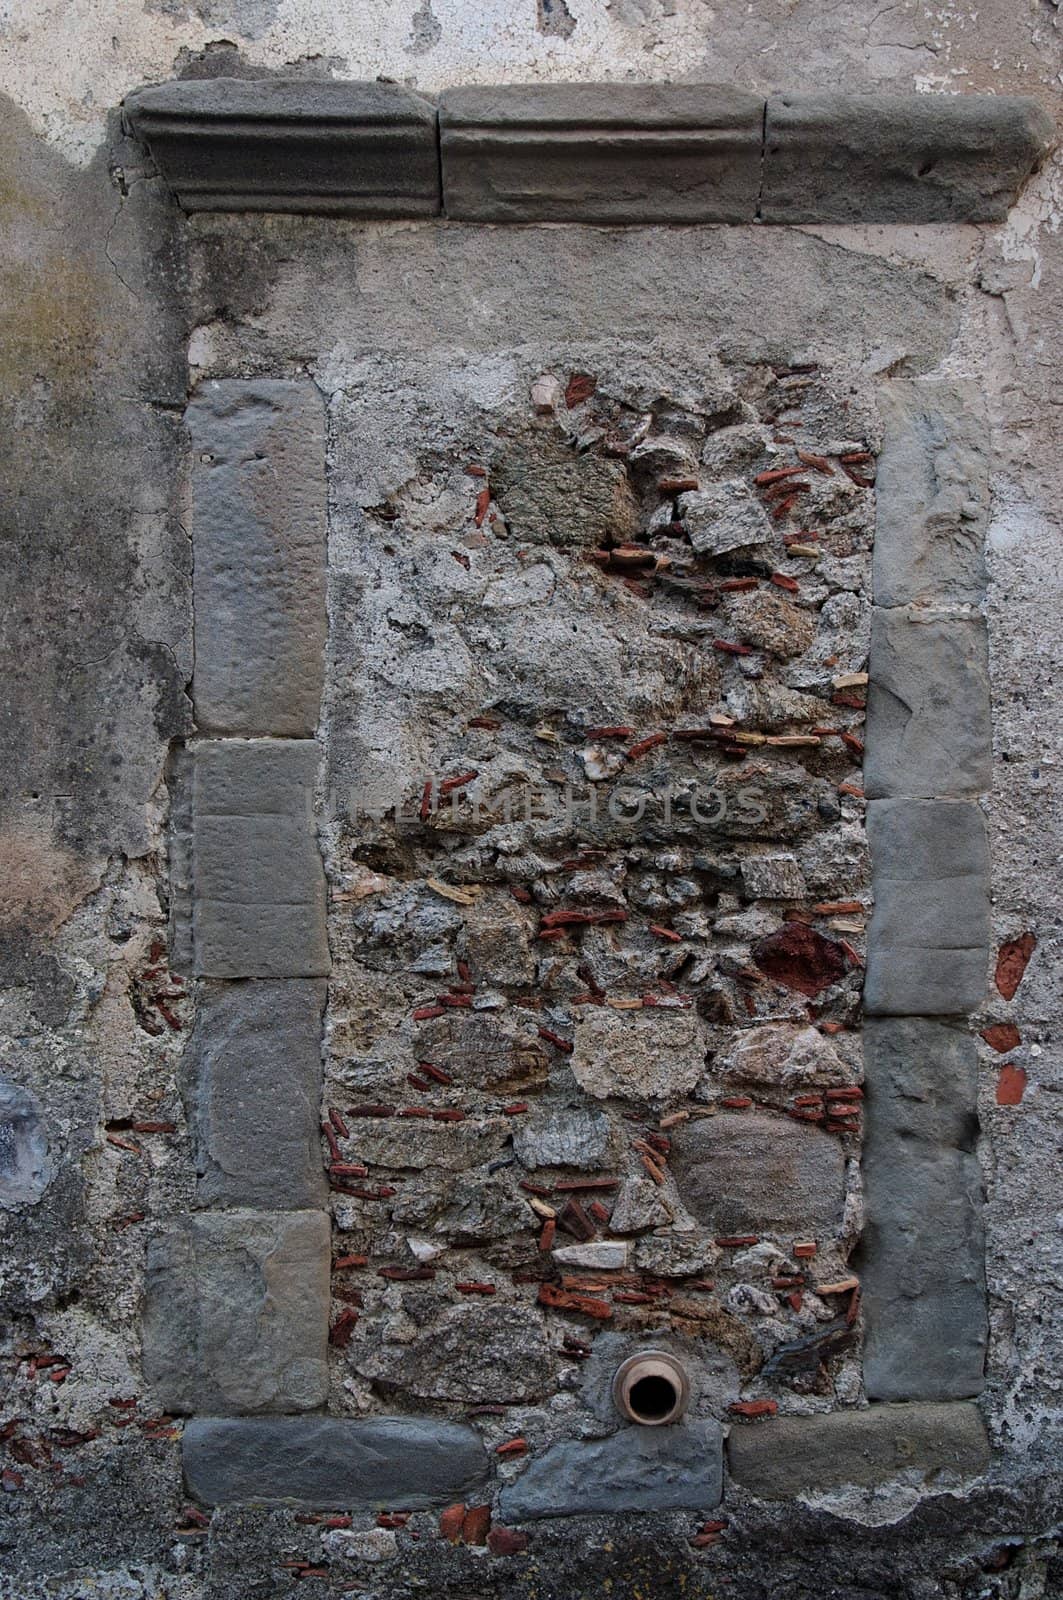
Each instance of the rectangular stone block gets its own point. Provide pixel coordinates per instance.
(928, 941)
(258, 530)
(333, 1463)
(236, 1312)
(292, 144)
(932, 494)
(923, 1271)
(793, 1455)
(899, 157)
(928, 720)
(674, 1468)
(601, 152)
(258, 881)
(256, 1093)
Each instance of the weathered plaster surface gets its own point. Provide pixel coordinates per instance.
(93, 328)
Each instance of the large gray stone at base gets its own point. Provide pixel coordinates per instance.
(923, 1275)
(928, 727)
(332, 1463)
(292, 144)
(752, 1172)
(932, 494)
(898, 157)
(259, 885)
(928, 942)
(258, 529)
(600, 152)
(792, 1455)
(638, 1469)
(256, 1068)
(236, 1312)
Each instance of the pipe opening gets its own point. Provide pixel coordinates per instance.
(653, 1398)
(651, 1388)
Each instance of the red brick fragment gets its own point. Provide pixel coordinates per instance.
(448, 1114)
(651, 741)
(342, 1329)
(580, 387)
(556, 1040)
(1011, 1084)
(372, 1110)
(578, 1185)
(800, 958)
(475, 1288)
(512, 1447)
(342, 1262)
(562, 1300)
(483, 500)
(451, 1521)
(1002, 1036)
(506, 1541)
(575, 918)
(804, 1248)
(782, 581)
(546, 1237)
(736, 1102)
(406, 1274)
(476, 1522)
(426, 1013)
(753, 1408)
(489, 724)
(736, 1241)
(1012, 960)
(516, 1109)
(728, 647)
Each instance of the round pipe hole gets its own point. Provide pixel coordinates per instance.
(651, 1388)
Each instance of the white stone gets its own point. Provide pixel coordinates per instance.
(607, 1255)
(645, 1055)
(774, 877)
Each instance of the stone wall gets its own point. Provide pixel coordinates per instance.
(537, 447)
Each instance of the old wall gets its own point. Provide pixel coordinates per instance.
(107, 293)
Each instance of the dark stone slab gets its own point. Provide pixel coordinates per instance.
(752, 1172)
(923, 1272)
(899, 157)
(256, 1067)
(928, 721)
(333, 1463)
(258, 530)
(928, 941)
(292, 144)
(932, 494)
(601, 152)
(259, 885)
(236, 1312)
(791, 1455)
(25, 1167)
(638, 1469)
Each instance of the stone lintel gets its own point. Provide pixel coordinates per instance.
(794, 1455)
(589, 152)
(292, 144)
(333, 1463)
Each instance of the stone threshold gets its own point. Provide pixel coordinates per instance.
(616, 153)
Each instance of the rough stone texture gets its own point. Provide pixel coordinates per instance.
(928, 943)
(923, 1253)
(25, 1170)
(724, 517)
(258, 882)
(600, 152)
(549, 497)
(636, 1055)
(255, 1081)
(258, 525)
(332, 1463)
(793, 1455)
(932, 500)
(637, 1469)
(928, 729)
(348, 149)
(898, 158)
(477, 1353)
(236, 1312)
(750, 1172)
(785, 1055)
(563, 1137)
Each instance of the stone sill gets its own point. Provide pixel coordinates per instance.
(592, 153)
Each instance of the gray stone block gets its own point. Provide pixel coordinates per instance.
(928, 724)
(258, 529)
(292, 144)
(752, 1172)
(236, 1312)
(25, 1166)
(256, 1065)
(923, 1275)
(932, 494)
(601, 152)
(928, 941)
(333, 1463)
(259, 885)
(638, 1469)
(792, 1455)
(899, 157)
